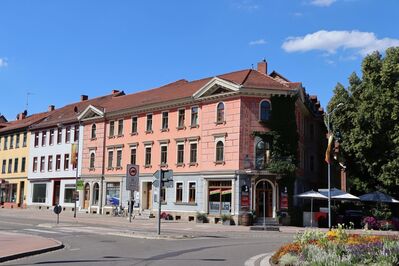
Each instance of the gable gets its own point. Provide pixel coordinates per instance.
(90, 113)
(216, 86)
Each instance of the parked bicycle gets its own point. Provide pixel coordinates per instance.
(118, 211)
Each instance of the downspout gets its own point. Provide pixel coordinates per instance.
(103, 168)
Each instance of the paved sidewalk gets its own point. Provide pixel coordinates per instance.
(15, 245)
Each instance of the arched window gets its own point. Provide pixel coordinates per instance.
(92, 160)
(262, 154)
(219, 151)
(220, 113)
(96, 193)
(264, 111)
(93, 131)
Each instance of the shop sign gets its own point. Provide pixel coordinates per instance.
(245, 201)
(284, 201)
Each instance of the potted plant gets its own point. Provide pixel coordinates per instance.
(202, 217)
(226, 219)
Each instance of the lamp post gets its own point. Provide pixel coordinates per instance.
(329, 164)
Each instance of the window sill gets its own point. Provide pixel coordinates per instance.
(220, 123)
(119, 168)
(149, 132)
(193, 164)
(186, 203)
(147, 166)
(93, 139)
(120, 136)
(181, 128)
(164, 129)
(134, 134)
(180, 165)
(194, 126)
(220, 162)
(111, 137)
(110, 168)
(163, 165)
(92, 169)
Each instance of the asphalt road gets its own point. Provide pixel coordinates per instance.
(106, 245)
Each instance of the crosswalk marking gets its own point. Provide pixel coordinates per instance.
(261, 260)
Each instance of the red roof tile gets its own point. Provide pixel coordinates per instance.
(23, 123)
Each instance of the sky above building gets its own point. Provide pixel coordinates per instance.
(51, 52)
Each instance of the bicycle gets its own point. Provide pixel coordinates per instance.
(118, 211)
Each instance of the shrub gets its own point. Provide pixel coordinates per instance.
(288, 260)
(370, 222)
(202, 217)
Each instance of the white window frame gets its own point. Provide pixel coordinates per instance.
(123, 127)
(224, 113)
(145, 155)
(177, 152)
(133, 147)
(178, 118)
(152, 123)
(191, 116)
(223, 140)
(131, 125)
(94, 163)
(163, 144)
(116, 153)
(112, 166)
(166, 128)
(193, 142)
(182, 191)
(188, 191)
(109, 129)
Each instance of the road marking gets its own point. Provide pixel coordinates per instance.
(15, 223)
(264, 260)
(41, 231)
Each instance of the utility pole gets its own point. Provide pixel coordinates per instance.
(161, 176)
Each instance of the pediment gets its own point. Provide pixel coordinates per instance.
(91, 112)
(216, 86)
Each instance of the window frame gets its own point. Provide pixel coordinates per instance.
(110, 159)
(181, 192)
(165, 121)
(181, 143)
(163, 154)
(93, 131)
(197, 116)
(68, 134)
(149, 123)
(119, 158)
(67, 161)
(181, 126)
(50, 163)
(92, 160)
(147, 163)
(34, 164)
(58, 162)
(111, 129)
(51, 137)
(220, 117)
(189, 192)
(134, 124)
(120, 127)
(260, 110)
(196, 153)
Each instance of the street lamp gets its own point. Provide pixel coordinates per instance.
(329, 164)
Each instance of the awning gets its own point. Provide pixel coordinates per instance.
(213, 192)
(225, 192)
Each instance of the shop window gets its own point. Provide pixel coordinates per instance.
(68, 195)
(264, 110)
(96, 193)
(179, 192)
(219, 197)
(220, 113)
(93, 131)
(112, 193)
(39, 193)
(191, 192)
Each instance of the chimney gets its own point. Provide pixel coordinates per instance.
(21, 116)
(51, 108)
(262, 66)
(84, 98)
(115, 91)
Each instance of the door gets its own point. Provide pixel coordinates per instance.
(21, 193)
(264, 200)
(56, 193)
(86, 197)
(149, 195)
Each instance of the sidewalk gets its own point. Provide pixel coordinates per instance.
(15, 245)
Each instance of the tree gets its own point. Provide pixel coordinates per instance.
(368, 123)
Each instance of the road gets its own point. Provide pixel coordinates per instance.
(103, 244)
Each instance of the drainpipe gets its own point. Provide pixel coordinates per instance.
(103, 169)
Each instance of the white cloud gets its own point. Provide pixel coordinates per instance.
(322, 3)
(3, 62)
(248, 5)
(330, 41)
(258, 42)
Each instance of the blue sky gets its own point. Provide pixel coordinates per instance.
(58, 50)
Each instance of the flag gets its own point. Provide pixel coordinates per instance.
(328, 151)
(74, 155)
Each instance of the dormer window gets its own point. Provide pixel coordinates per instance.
(264, 110)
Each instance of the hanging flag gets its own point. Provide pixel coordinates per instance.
(328, 151)
(74, 155)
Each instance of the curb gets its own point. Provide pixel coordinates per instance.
(58, 246)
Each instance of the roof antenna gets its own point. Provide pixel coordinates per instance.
(252, 66)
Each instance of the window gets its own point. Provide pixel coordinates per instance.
(265, 110)
(9, 165)
(93, 131)
(92, 160)
(44, 136)
(66, 161)
(96, 193)
(148, 156)
(17, 141)
(119, 158)
(120, 127)
(51, 139)
(50, 163)
(11, 141)
(220, 113)
(164, 154)
(191, 192)
(194, 116)
(262, 154)
(219, 151)
(58, 162)
(24, 139)
(179, 192)
(68, 194)
(39, 193)
(219, 197)
(34, 167)
(182, 117)
(15, 165)
(5, 147)
(3, 167)
(165, 120)
(193, 153)
(76, 133)
(112, 192)
(134, 124)
(36, 139)
(67, 134)
(133, 155)
(111, 128)
(59, 135)
(149, 123)
(23, 165)
(180, 153)
(110, 158)
(42, 158)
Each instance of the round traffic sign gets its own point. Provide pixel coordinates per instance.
(132, 171)
(57, 209)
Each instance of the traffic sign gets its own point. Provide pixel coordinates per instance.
(132, 177)
(57, 209)
(168, 184)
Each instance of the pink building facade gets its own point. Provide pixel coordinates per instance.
(203, 131)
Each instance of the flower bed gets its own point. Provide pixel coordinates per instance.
(338, 247)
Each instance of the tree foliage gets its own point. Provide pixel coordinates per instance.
(368, 123)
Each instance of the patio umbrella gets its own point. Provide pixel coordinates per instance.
(311, 194)
(337, 194)
(377, 196)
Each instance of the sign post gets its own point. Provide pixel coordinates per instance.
(57, 210)
(132, 184)
(164, 178)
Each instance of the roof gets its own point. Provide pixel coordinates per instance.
(23, 123)
(69, 113)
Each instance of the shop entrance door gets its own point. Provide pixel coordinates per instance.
(21, 193)
(264, 199)
(56, 193)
